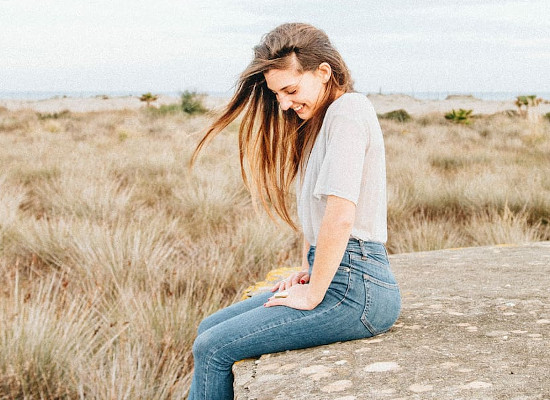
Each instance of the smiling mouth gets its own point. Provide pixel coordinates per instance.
(299, 108)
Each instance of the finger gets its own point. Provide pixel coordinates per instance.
(271, 302)
(295, 279)
(276, 287)
(282, 284)
(304, 279)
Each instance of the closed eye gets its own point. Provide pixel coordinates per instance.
(288, 92)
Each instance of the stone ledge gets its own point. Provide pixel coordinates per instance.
(475, 324)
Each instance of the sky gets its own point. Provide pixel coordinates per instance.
(168, 46)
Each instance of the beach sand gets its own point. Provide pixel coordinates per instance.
(382, 104)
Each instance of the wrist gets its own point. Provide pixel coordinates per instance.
(313, 299)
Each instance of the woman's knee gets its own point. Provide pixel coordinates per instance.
(202, 345)
(207, 350)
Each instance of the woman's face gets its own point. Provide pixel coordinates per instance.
(299, 91)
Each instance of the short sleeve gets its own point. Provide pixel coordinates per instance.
(342, 167)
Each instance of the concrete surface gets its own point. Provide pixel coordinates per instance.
(475, 324)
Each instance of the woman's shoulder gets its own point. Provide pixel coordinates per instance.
(354, 103)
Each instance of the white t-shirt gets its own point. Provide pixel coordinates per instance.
(347, 160)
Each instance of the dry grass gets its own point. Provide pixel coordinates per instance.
(112, 251)
(454, 186)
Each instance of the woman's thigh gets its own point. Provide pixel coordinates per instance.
(233, 310)
(262, 330)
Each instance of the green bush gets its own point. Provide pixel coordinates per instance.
(547, 116)
(461, 116)
(191, 103)
(397, 115)
(61, 114)
(531, 100)
(166, 109)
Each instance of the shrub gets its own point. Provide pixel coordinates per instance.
(397, 115)
(166, 109)
(531, 100)
(547, 116)
(61, 114)
(191, 103)
(148, 98)
(461, 116)
(523, 103)
(123, 136)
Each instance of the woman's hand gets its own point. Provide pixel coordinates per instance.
(297, 297)
(301, 277)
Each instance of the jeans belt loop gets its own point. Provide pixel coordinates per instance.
(363, 251)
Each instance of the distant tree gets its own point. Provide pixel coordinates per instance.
(524, 103)
(148, 98)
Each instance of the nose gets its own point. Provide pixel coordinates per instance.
(284, 103)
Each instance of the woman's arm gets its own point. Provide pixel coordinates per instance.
(305, 251)
(331, 243)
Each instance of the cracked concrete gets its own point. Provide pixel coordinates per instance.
(475, 324)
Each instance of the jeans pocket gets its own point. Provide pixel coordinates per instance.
(382, 305)
(340, 284)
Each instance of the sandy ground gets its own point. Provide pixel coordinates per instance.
(382, 104)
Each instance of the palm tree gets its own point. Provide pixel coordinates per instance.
(148, 98)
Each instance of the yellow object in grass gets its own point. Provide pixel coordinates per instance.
(271, 278)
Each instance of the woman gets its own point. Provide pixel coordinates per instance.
(302, 122)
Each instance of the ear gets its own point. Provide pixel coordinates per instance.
(324, 71)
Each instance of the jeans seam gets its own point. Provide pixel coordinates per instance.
(370, 260)
(206, 378)
(368, 300)
(387, 285)
(347, 289)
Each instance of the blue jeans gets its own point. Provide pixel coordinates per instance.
(362, 300)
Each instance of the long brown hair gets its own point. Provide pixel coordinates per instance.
(273, 142)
